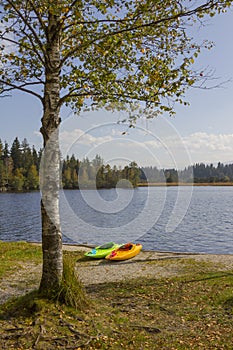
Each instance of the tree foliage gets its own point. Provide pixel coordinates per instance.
(132, 55)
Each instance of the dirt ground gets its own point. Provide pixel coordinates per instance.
(149, 264)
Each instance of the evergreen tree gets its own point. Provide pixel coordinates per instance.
(83, 178)
(35, 157)
(6, 152)
(32, 180)
(171, 176)
(1, 149)
(16, 154)
(26, 156)
(17, 181)
(66, 178)
(134, 173)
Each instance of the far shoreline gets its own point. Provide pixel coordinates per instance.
(205, 184)
(141, 184)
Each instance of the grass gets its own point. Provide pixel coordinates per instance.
(15, 254)
(191, 311)
(71, 291)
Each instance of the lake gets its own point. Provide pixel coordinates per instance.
(179, 219)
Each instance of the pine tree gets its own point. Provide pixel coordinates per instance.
(16, 154)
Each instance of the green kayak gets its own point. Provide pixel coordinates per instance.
(103, 250)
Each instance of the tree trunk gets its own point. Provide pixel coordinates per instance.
(50, 166)
(51, 231)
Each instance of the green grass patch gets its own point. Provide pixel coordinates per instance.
(14, 254)
(71, 291)
(193, 310)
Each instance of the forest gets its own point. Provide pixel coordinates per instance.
(20, 166)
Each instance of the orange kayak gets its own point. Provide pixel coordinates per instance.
(124, 252)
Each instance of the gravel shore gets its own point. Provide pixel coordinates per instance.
(147, 264)
(151, 264)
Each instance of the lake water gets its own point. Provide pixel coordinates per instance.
(178, 219)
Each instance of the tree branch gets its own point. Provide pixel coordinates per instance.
(21, 88)
(24, 46)
(101, 21)
(27, 24)
(38, 15)
(199, 9)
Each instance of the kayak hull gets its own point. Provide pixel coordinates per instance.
(101, 252)
(127, 251)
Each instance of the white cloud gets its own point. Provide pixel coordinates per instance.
(172, 150)
(205, 147)
(77, 137)
(199, 147)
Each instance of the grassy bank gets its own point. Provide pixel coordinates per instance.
(191, 311)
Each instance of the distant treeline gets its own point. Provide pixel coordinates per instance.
(198, 173)
(20, 166)
(20, 163)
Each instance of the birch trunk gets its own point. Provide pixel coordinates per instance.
(50, 165)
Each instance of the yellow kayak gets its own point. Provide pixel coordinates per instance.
(124, 252)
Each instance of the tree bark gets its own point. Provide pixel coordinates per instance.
(50, 165)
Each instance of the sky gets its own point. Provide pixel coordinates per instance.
(201, 132)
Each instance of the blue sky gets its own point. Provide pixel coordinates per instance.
(202, 132)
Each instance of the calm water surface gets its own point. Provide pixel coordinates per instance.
(160, 218)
